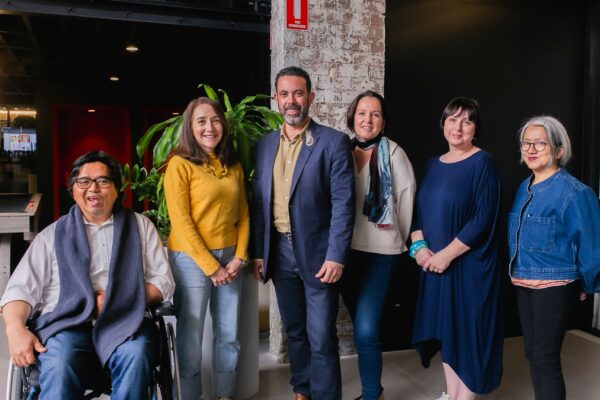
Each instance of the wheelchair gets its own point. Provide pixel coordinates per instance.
(23, 383)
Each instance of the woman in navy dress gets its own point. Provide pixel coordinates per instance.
(455, 242)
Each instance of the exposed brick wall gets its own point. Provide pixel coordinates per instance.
(343, 50)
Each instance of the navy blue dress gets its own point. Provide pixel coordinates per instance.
(458, 312)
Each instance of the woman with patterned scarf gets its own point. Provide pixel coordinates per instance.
(385, 188)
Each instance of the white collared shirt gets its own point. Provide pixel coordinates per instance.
(36, 279)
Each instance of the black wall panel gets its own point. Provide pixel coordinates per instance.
(518, 59)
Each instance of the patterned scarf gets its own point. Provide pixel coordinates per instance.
(379, 184)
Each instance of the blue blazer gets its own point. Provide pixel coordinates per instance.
(321, 201)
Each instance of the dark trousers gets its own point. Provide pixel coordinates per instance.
(364, 288)
(545, 316)
(308, 314)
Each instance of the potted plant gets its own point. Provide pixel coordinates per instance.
(247, 120)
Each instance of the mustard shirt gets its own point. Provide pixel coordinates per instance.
(283, 171)
(208, 211)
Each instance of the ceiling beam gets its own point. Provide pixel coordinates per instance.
(11, 55)
(103, 11)
(32, 35)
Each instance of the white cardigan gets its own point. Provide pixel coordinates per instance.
(367, 236)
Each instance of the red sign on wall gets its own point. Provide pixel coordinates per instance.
(297, 14)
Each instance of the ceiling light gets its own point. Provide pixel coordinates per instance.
(132, 48)
(114, 78)
(175, 113)
(91, 110)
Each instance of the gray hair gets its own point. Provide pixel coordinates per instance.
(558, 138)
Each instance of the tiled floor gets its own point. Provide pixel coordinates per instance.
(404, 378)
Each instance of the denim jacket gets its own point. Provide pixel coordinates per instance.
(554, 231)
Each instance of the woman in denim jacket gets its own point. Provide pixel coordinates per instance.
(554, 242)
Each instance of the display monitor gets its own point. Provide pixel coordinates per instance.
(19, 139)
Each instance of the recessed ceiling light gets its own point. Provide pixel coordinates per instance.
(91, 110)
(175, 113)
(114, 78)
(132, 48)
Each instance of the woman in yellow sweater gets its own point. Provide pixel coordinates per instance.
(204, 188)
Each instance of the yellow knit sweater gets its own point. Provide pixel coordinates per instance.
(207, 211)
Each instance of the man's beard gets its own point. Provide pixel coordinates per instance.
(295, 120)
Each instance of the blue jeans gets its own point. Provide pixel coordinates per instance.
(545, 315)
(71, 365)
(364, 288)
(309, 316)
(194, 291)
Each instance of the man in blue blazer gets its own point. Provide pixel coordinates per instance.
(301, 226)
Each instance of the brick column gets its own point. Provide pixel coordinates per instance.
(343, 50)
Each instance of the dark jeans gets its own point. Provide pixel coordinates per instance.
(364, 288)
(308, 314)
(545, 316)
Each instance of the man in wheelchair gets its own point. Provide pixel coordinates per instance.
(75, 303)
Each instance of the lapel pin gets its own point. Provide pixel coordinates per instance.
(309, 139)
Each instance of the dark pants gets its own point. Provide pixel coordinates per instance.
(308, 314)
(364, 288)
(545, 316)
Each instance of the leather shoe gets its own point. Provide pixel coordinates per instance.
(300, 396)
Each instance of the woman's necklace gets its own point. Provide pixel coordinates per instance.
(210, 168)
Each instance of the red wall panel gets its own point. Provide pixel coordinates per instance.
(77, 131)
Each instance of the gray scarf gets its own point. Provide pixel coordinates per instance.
(125, 301)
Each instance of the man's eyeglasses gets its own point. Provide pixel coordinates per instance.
(101, 181)
(537, 145)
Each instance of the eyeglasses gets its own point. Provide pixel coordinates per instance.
(537, 145)
(101, 181)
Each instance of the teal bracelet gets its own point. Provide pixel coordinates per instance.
(416, 246)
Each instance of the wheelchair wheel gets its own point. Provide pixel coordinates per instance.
(17, 387)
(167, 377)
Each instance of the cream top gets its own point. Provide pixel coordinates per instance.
(367, 236)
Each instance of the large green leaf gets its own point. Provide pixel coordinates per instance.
(176, 132)
(126, 172)
(210, 92)
(144, 142)
(226, 100)
(273, 119)
(164, 146)
(252, 99)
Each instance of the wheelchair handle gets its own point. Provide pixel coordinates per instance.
(164, 309)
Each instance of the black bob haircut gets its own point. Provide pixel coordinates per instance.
(114, 169)
(471, 106)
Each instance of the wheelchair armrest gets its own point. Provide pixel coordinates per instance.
(166, 308)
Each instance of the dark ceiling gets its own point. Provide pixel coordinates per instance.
(76, 41)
